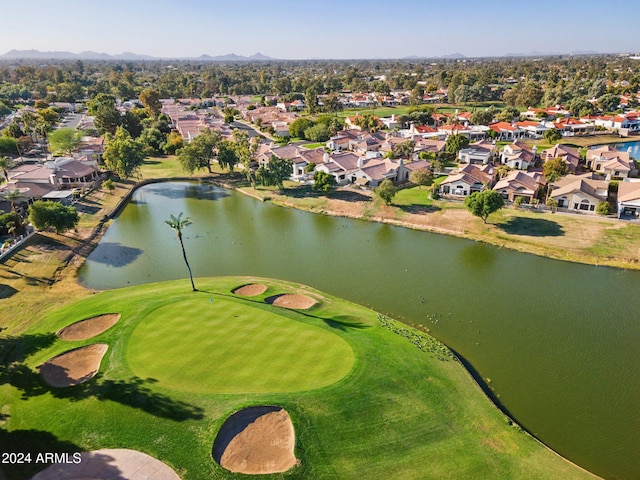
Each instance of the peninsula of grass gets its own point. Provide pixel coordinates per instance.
(381, 400)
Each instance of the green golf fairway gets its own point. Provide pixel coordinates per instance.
(226, 346)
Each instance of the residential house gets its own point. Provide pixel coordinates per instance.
(532, 129)
(518, 155)
(613, 164)
(477, 153)
(629, 199)
(348, 168)
(506, 130)
(572, 126)
(579, 193)
(568, 154)
(37, 180)
(519, 184)
(467, 180)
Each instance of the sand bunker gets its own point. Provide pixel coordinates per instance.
(292, 300)
(256, 440)
(90, 327)
(73, 367)
(250, 290)
(109, 464)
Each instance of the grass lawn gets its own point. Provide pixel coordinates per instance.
(285, 356)
(413, 196)
(406, 409)
(314, 145)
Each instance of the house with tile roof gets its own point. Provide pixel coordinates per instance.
(467, 180)
(613, 164)
(580, 193)
(518, 155)
(506, 130)
(519, 184)
(570, 155)
(629, 199)
(572, 126)
(477, 153)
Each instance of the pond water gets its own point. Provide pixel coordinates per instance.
(556, 342)
(632, 147)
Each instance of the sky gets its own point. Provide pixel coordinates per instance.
(336, 29)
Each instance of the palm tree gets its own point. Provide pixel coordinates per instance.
(178, 223)
(12, 197)
(5, 164)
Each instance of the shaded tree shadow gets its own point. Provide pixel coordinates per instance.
(344, 322)
(349, 196)
(132, 393)
(95, 462)
(191, 191)
(419, 209)
(478, 255)
(7, 291)
(115, 254)
(532, 227)
(235, 424)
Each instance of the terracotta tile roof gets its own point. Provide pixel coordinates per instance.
(628, 191)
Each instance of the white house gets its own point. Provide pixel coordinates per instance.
(629, 198)
(580, 192)
(518, 155)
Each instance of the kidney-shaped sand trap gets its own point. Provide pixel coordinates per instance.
(73, 367)
(250, 290)
(89, 327)
(109, 464)
(256, 440)
(292, 300)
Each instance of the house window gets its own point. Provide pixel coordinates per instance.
(584, 205)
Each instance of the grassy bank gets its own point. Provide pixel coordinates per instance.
(571, 237)
(406, 409)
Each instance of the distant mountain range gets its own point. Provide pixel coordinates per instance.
(231, 57)
(88, 55)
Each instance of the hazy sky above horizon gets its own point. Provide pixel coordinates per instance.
(290, 29)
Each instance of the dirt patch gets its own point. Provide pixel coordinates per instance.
(250, 290)
(73, 367)
(90, 327)
(292, 300)
(109, 464)
(256, 440)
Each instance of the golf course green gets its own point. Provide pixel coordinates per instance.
(231, 346)
(368, 397)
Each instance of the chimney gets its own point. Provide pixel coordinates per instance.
(325, 158)
(360, 163)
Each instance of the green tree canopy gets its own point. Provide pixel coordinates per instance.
(299, 125)
(199, 153)
(386, 191)
(122, 154)
(552, 135)
(455, 143)
(554, 169)
(64, 141)
(482, 204)
(323, 182)
(421, 176)
(44, 215)
(150, 98)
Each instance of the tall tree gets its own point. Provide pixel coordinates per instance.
(554, 169)
(12, 196)
(421, 176)
(386, 191)
(5, 164)
(482, 204)
(200, 152)
(150, 98)
(44, 214)
(178, 224)
(455, 143)
(64, 140)
(123, 154)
